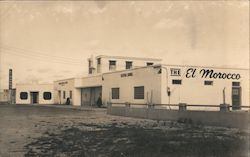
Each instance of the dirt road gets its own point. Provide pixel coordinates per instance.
(49, 131)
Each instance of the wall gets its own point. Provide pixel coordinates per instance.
(66, 85)
(91, 81)
(147, 77)
(34, 88)
(121, 63)
(225, 119)
(4, 96)
(193, 90)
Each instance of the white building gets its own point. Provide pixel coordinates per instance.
(34, 93)
(103, 64)
(86, 90)
(141, 80)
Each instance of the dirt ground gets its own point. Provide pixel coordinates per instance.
(62, 131)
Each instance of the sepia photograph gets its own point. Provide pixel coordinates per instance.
(143, 78)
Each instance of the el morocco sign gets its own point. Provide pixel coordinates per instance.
(210, 73)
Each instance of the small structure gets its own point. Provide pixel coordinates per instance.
(85, 91)
(4, 96)
(34, 93)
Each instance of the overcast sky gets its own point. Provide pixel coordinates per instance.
(47, 41)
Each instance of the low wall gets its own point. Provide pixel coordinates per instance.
(235, 119)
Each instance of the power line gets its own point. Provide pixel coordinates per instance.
(40, 58)
(40, 54)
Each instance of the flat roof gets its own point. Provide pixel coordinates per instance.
(159, 65)
(155, 65)
(129, 58)
(214, 67)
(34, 83)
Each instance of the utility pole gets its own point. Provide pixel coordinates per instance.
(224, 96)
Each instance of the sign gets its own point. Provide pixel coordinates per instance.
(126, 74)
(63, 83)
(211, 74)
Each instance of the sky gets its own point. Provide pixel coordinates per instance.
(51, 40)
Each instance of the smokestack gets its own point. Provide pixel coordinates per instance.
(10, 79)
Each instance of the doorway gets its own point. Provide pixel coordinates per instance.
(90, 95)
(236, 98)
(34, 97)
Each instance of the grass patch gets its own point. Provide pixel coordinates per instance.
(134, 141)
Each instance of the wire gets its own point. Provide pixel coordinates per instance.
(36, 53)
(40, 58)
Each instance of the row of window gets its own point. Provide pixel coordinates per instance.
(206, 83)
(112, 64)
(138, 92)
(64, 94)
(46, 95)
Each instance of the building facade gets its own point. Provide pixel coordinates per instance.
(144, 81)
(34, 93)
(173, 84)
(103, 63)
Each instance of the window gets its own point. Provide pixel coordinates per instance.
(70, 94)
(175, 72)
(98, 65)
(208, 83)
(112, 65)
(90, 69)
(178, 82)
(23, 95)
(149, 63)
(139, 92)
(128, 65)
(98, 60)
(236, 84)
(64, 94)
(130, 74)
(115, 93)
(47, 95)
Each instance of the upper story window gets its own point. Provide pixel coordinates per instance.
(149, 63)
(112, 65)
(47, 95)
(90, 68)
(129, 64)
(23, 95)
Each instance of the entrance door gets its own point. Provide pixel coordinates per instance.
(34, 97)
(236, 98)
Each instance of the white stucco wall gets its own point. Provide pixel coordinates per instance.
(90, 81)
(121, 63)
(193, 90)
(40, 88)
(147, 77)
(66, 85)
